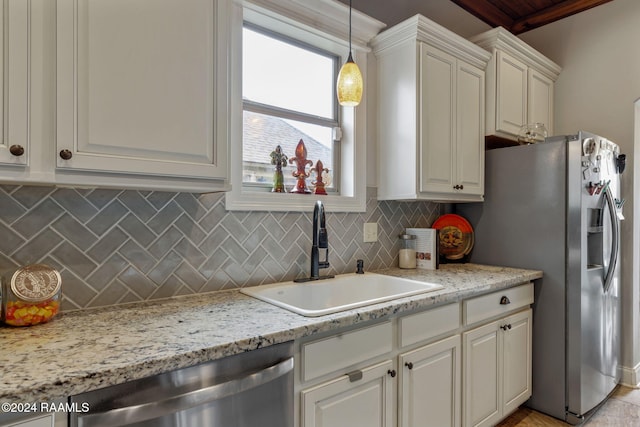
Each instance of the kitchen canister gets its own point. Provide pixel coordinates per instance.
(407, 254)
(30, 295)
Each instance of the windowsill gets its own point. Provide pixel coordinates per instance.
(284, 202)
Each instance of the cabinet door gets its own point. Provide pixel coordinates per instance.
(136, 86)
(437, 120)
(511, 94)
(470, 129)
(14, 90)
(364, 402)
(430, 385)
(540, 97)
(517, 360)
(482, 376)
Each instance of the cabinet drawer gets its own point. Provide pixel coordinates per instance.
(428, 324)
(486, 306)
(340, 351)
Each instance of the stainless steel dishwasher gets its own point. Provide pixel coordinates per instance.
(246, 390)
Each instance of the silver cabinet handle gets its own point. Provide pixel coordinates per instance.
(354, 376)
(151, 410)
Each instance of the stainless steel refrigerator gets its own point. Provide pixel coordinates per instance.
(556, 207)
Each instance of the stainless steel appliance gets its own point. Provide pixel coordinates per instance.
(556, 207)
(247, 390)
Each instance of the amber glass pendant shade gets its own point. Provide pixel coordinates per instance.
(350, 84)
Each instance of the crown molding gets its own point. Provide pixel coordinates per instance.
(501, 39)
(425, 30)
(330, 17)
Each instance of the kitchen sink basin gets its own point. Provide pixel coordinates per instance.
(343, 292)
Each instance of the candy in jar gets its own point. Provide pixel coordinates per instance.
(31, 295)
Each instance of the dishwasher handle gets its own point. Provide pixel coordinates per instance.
(147, 411)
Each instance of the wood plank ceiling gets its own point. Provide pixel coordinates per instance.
(519, 16)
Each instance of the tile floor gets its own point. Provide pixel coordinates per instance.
(621, 410)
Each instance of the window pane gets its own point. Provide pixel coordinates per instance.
(281, 74)
(263, 133)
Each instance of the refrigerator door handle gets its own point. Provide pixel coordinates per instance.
(615, 231)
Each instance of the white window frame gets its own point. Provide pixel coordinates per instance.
(322, 23)
(303, 117)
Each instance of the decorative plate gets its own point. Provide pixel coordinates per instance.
(455, 236)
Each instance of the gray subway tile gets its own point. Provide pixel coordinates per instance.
(37, 247)
(137, 230)
(107, 245)
(11, 209)
(165, 242)
(29, 196)
(137, 282)
(137, 255)
(37, 218)
(107, 218)
(165, 217)
(73, 259)
(74, 231)
(75, 204)
(137, 204)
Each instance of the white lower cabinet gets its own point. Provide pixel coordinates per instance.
(461, 364)
(430, 385)
(362, 399)
(497, 369)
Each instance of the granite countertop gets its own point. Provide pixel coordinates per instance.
(90, 349)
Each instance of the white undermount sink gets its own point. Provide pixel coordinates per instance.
(343, 292)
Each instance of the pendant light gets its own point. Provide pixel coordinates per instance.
(349, 86)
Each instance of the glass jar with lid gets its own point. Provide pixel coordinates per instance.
(407, 254)
(31, 295)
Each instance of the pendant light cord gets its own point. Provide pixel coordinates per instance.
(349, 27)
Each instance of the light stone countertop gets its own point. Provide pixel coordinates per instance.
(90, 349)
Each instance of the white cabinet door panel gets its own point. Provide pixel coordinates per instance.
(470, 129)
(511, 108)
(366, 402)
(14, 76)
(517, 361)
(137, 86)
(482, 376)
(430, 385)
(540, 94)
(437, 98)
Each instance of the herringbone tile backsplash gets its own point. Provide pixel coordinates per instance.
(117, 246)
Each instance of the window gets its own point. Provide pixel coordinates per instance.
(288, 95)
(306, 43)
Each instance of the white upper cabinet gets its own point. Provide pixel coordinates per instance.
(519, 84)
(142, 91)
(431, 85)
(14, 90)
